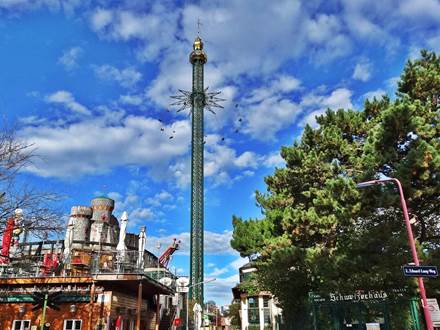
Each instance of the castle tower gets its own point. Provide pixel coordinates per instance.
(80, 220)
(105, 227)
(198, 59)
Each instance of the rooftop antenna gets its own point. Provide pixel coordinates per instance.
(199, 24)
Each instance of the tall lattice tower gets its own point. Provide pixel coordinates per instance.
(198, 99)
(198, 59)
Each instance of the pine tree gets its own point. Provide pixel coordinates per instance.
(319, 232)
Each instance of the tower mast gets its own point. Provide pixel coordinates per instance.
(198, 99)
(198, 59)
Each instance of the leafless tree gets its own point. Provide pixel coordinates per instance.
(41, 217)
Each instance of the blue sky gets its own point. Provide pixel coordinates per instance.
(89, 84)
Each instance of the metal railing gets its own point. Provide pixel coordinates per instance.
(51, 263)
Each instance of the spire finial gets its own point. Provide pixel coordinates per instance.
(199, 23)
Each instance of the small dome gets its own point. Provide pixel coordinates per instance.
(198, 44)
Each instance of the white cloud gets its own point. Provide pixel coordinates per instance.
(274, 160)
(66, 98)
(232, 29)
(269, 108)
(159, 198)
(285, 84)
(239, 262)
(29, 5)
(222, 164)
(156, 29)
(215, 243)
(221, 289)
(101, 18)
(131, 99)
(362, 71)
(247, 159)
(267, 118)
(127, 77)
(11, 3)
(32, 120)
(99, 144)
(67, 6)
(70, 57)
(181, 172)
(234, 50)
(141, 214)
(222, 161)
(310, 119)
(378, 93)
(316, 105)
(279, 85)
(339, 99)
(141, 209)
(434, 43)
(218, 271)
(426, 10)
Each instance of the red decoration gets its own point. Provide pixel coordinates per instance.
(7, 240)
(50, 263)
(118, 325)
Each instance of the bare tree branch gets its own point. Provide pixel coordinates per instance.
(41, 218)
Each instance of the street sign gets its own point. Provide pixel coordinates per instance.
(182, 284)
(182, 289)
(420, 271)
(373, 326)
(434, 311)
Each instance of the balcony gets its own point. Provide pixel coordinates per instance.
(86, 259)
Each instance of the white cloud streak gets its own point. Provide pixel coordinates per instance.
(99, 144)
(127, 77)
(215, 243)
(70, 58)
(66, 98)
(317, 104)
(362, 71)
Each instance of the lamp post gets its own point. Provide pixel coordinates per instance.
(410, 239)
(187, 294)
(158, 256)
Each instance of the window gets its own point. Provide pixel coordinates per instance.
(266, 310)
(253, 311)
(266, 301)
(72, 324)
(21, 325)
(253, 302)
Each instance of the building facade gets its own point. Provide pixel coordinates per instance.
(257, 311)
(98, 277)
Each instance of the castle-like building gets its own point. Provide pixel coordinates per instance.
(97, 277)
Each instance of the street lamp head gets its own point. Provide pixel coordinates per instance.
(364, 185)
(367, 184)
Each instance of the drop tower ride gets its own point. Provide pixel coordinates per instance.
(198, 59)
(198, 99)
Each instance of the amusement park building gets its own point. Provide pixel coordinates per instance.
(98, 277)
